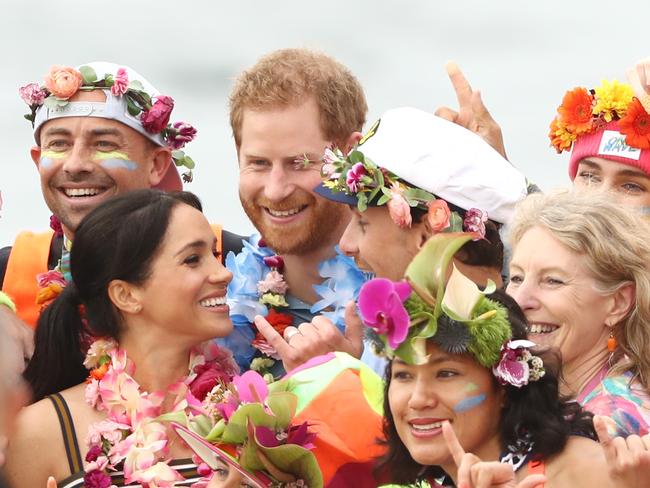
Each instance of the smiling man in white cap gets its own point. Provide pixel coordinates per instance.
(100, 130)
(414, 175)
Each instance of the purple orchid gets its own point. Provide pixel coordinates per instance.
(381, 306)
(296, 434)
(512, 369)
(474, 221)
(353, 178)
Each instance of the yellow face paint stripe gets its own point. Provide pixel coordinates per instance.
(53, 154)
(111, 155)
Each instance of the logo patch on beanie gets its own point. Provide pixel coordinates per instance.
(613, 144)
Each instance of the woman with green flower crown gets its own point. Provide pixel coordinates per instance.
(148, 290)
(469, 401)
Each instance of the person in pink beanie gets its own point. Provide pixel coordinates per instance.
(607, 131)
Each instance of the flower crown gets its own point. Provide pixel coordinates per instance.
(358, 176)
(61, 83)
(258, 423)
(453, 313)
(586, 111)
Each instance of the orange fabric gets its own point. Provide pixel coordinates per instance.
(536, 467)
(216, 229)
(345, 427)
(28, 258)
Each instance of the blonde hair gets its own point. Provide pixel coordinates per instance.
(616, 243)
(289, 77)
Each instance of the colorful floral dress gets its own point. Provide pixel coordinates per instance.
(621, 399)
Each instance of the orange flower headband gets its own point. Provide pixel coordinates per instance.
(587, 111)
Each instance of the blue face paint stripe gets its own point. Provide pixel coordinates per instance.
(46, 162)
(469, 403)
(119, 164)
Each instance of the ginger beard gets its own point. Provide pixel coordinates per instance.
(312, 231)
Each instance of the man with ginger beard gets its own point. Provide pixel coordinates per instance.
(284, 111)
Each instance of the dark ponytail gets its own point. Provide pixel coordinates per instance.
(118, 240)
(54, 340)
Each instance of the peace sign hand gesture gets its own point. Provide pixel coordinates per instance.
(471, 113)
(628, 458)
(474, 473)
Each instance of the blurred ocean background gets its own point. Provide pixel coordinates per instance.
(522, 55)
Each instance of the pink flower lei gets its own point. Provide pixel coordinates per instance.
(131, 437)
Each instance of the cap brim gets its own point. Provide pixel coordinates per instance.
(335, 196)
(212, 455)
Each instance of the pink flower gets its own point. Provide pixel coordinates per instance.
(32, 94)
(63, 81)
(329, 156)
(251, 387)
(97, 350)
(273, 282)
(207, 376)
(52, 276)
(438, 215)
(106, 429)
(264, 347)
(181, 135)
(91, 394)
(97, 479)
(120, 82)
(55, 225)
(474, 221)
(354, 176)
(398, 207)
(201, 468)
(156, 118)
(100, 463)
(381, 307)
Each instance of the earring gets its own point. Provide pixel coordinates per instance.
(611, 341)
(137, 309)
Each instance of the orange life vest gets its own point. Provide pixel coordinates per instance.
(28, 258)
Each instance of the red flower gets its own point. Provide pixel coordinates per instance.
(93, 453)
(576, 110)
(207, 376)
(97, 479)
(156, 118)
(55, 225)
(636, 126)
(279, 321)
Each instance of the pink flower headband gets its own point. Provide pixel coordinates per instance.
(357, 176)
(150, 113)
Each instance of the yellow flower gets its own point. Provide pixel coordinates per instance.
(274, 300)
(612, 98)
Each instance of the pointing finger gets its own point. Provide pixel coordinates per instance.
(461, 86)
(454, 446)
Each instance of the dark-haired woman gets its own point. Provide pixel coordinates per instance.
(461, 357)
(148, 290)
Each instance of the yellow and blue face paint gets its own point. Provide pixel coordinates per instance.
(48, 157)
(115, 160)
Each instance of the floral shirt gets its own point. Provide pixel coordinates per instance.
(622, 400)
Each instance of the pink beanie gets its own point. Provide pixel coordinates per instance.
(608, 143)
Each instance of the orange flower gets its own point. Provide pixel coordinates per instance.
(98, 373)
(561, 139)
(49, 293)
(438, 215)
(636, 126)
(576, 110)
(63, 81)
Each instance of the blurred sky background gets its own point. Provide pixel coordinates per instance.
(522, 55)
